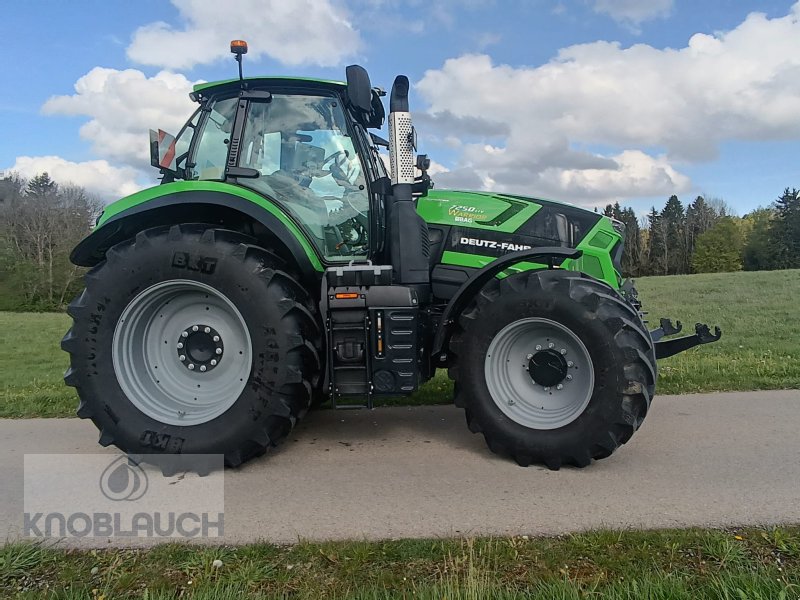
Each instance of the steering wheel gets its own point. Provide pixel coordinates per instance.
(338, 160)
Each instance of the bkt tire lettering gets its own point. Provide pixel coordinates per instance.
(204, 264)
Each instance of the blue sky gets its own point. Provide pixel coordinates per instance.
(588, 101)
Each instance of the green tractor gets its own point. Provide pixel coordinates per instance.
(279, 265)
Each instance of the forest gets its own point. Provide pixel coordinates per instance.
(707, 236)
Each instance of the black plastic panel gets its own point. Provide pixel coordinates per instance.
(394, 333)
(446, 279)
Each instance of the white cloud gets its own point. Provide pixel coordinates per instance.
(96, 176)
(122, 106)
(633, 12)
(294, 32)
(602, 121)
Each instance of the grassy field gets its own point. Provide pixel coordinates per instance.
(752, 564)
(760, 347)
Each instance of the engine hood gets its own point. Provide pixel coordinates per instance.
(489, 210)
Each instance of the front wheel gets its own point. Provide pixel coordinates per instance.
(192, 340)
(553, 367)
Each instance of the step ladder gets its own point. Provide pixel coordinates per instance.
(351, 375)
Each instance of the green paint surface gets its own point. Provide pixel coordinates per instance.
(476, 210)
(595, 261)
(222, 83)
(180, 187)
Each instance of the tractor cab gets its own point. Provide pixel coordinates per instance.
(292, 141)
(303, 145)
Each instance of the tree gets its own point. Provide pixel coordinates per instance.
(674, 219)
(11, 188)
(633, 254)
(759, 250)
(700, 217)
(719, 249)
(786, 230)
(39, 228)
(657, 249)
(720, 207)
(41, 187)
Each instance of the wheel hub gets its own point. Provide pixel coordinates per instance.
(539, 373)
(548, 367)
(200, 348)
(181, 318)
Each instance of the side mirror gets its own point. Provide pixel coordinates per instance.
(365, 101)
(359, 89)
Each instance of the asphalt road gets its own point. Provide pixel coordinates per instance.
(701, 460)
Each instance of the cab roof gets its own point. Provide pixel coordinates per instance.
(211, 85)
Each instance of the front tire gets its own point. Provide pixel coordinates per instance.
(553, 367)
(192, 340)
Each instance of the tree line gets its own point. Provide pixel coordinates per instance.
(706, 237)
(40, 222)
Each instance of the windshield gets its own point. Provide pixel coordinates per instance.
(307, 161)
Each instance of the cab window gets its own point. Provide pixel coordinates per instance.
(211, 151)
(306, 161)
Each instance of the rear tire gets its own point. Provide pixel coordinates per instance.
(518, 407)
(131, 369)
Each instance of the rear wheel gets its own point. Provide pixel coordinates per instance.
(553, 367)
(192, 340)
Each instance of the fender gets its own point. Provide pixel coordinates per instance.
(184, 201)
(549, 255)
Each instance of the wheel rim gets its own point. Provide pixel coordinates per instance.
(526, 350)
(182, 352)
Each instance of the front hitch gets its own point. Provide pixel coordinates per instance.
(665, 348)
(666, 329)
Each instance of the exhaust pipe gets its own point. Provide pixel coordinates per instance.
(402, 142)
(409, 244)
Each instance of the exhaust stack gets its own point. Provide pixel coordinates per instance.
(402, 137)
(408, 241)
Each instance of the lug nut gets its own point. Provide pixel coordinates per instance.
(569, 377)
(563, 351)
(219, 350)
(216, 338)
(547, 389)
(182, 357)
(529, 356)
(203, 368)
(551, 345)
(538, 347)
(511, 403)
(207, 330)
(195, 328)
(180, 345)
(213, 362)
(570, 363)
(185, 334)
(191, 367)
(560, 386)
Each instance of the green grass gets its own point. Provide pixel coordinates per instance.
(760, 321)
(691, 564)
(32, 366)
(760, 347)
